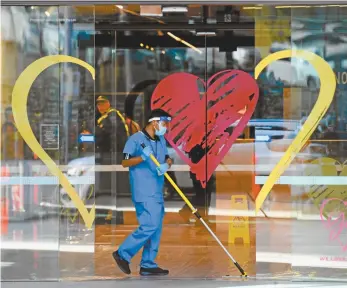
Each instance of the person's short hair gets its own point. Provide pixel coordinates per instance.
(159, 113)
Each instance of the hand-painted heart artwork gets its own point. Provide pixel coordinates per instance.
(335, 224)
(207, 118)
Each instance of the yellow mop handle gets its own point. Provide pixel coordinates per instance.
(174, 185)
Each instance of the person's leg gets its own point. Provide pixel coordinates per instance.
(185, 212)
(150, 250)
(149, 217)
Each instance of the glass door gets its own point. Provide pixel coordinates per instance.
(42, 223)
(160, 57)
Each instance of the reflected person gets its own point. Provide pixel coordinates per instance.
(105, 147)
(202, 198)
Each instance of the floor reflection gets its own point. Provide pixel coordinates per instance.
(186, 250)
(49, 249)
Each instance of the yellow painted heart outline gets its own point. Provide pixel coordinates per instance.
(19, 106)
(325, 97)
(26, 79)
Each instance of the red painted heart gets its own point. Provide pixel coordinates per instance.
(202, 121)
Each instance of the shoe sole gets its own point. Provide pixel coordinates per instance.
(116, 258)
(151, 274)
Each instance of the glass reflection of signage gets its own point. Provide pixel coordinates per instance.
(341, 77)
(49, 136)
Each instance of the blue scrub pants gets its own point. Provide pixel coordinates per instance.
(150, 216)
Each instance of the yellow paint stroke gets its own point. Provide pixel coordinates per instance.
(19, 105)
(66, 211)
(325, 97)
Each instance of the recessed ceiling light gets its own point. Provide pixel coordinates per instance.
(175, 9)
(206, 33)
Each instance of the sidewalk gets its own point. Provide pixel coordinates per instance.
(158, 283)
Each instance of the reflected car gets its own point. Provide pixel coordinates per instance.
(197, 62)
(293, 71)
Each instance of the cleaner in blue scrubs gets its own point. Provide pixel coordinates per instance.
(146, 183)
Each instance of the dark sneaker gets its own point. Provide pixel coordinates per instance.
(122, 264)
(153, 272)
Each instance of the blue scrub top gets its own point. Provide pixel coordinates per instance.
(145, 184)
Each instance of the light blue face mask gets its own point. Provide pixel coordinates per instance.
(162, 129)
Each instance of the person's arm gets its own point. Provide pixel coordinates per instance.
(130, 151)
(129, 154)
(132, 161)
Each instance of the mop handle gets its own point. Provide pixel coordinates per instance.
(174, 185)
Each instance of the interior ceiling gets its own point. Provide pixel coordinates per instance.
(108, 12)
(122, 18)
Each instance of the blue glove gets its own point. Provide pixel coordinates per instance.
(162, 169)
(146, 152)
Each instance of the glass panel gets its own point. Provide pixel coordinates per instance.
(182, 59)
(138, 61)
(77, 148)
(231, 97)
(324, 252)
(30, 236)
(40, 224)
(274, 124)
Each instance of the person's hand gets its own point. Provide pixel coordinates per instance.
(169, 162)
(146, 152)
(162, 169)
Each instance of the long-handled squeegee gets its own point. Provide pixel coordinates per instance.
(196, 213)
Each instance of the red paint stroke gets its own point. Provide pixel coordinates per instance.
(230, 100)
(335, 226)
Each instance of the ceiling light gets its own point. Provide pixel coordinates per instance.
(205, 33)
(120, 6)
(175, 9)
(283, 7)
(252, 8)
(163, 52)
(152, 49)
(141, 44)
(147, 47)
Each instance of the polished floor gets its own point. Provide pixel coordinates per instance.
(56, 249)
(145, 283)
